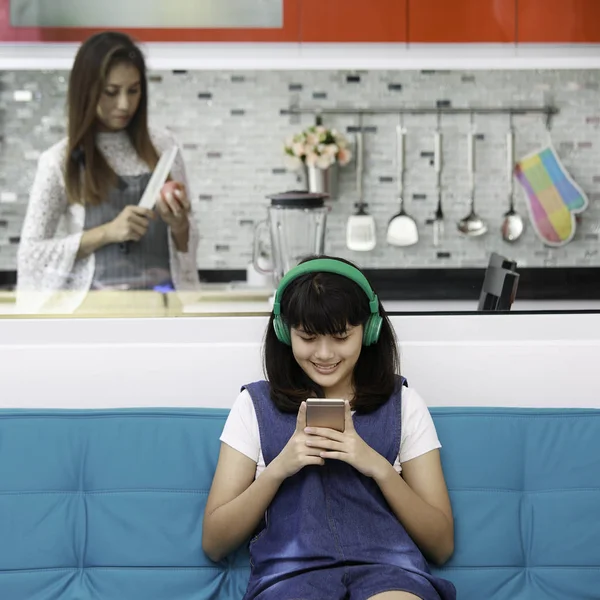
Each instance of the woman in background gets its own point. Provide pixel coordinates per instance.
(84, 229)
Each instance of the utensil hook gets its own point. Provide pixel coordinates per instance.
(511, 160)
(471, 160)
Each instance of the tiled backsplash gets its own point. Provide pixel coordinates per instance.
(232, 127)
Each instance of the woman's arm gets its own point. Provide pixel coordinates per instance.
(92, 240)
(45, 260)
(236, 502)
(47, 204)
(181, 237)
(130, 225)
(419, 499)
(183, 243)
(185, 238)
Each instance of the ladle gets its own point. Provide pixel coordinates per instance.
(512, 225)
(472, 225)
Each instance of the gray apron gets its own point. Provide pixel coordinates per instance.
(139, 265)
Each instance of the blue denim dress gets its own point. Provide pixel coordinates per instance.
(329, 533)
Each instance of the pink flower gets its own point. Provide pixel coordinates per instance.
(325, 161)
(344, 156)
(309, 147)
(298, 149)
(312, 139)
(330, 150)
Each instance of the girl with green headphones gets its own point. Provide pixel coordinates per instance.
(331, 515)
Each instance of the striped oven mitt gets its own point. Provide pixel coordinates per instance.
(553, 198)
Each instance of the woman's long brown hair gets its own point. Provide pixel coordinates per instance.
(88, 176)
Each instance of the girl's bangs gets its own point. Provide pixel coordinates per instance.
(319, 312)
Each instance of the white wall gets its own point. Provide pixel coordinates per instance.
(453, 360)
(351, 57)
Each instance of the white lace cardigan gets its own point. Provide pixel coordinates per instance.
(52, 230)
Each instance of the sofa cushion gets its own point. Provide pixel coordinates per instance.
(525, 490)
(108, 504)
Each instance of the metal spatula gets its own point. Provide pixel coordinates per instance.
(361, 235)
(402, 229)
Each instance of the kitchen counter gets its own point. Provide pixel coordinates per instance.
(100, 304)
(229, 300)
(212, 299)
(554, 288)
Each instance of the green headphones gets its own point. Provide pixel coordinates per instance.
(372, 327)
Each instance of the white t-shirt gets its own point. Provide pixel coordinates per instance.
(418, 434)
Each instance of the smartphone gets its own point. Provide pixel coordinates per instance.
(326, 412)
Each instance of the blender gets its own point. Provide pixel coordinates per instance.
(296, 225)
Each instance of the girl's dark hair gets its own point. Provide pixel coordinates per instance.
(88, 176)
(325, 303)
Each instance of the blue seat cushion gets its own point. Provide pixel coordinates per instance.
(99, 505)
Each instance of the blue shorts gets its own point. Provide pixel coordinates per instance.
(354, 582)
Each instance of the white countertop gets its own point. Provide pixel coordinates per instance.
(391, 306)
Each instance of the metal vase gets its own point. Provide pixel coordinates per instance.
(323, 181)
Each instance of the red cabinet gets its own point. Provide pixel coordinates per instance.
(462, 21)
(287, 32)
(376, 21)
(558, 21)
(353, 21)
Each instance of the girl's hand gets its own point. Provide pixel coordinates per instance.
(173, 206)
(296, 454)
(347, 446)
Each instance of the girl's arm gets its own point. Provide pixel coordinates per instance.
(419, 499)
(236, 502)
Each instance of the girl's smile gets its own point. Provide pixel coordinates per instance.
(329, 360)
(326, 369)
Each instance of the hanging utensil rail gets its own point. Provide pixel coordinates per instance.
(549, 111)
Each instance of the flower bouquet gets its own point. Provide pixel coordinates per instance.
(318, 151)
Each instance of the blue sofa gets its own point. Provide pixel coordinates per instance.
(107, 505)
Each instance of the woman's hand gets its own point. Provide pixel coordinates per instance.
(130, 225)
(173, 206)
(347, 446)
(296, 454)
